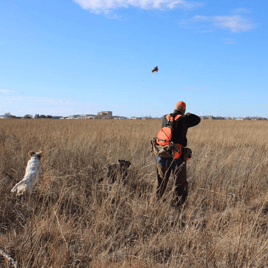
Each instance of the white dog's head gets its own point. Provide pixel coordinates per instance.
(38, 154)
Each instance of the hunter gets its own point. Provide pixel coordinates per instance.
(172, 154)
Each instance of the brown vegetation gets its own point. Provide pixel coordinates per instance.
(71, 220)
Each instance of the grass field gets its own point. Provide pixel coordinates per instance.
(71, 220)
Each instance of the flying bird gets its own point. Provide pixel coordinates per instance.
(155, 69)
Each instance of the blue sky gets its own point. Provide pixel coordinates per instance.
(84, 56)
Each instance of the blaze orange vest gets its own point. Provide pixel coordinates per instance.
(164, 136)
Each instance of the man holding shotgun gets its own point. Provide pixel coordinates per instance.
(172, 154)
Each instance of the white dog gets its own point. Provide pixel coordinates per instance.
(33, 171)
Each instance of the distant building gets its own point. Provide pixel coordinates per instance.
(136, 118)
(105, 115)
(28, 116)
(90, 116)
(76, 116)
(119, 117)
(110, 113)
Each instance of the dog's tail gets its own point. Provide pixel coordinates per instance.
(20, 188)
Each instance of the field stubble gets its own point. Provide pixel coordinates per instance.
(71, 220)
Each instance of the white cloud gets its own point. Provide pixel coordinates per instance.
(228, 41)
(234, 23)
(6, 91)
(99, 6)
(240, 10)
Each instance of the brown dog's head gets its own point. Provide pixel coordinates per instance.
(39, 154)
(118, 169)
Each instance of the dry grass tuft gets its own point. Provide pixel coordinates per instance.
(71, 220)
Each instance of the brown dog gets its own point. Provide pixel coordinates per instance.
(116, 171)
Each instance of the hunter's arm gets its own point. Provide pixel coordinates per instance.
(192, 120)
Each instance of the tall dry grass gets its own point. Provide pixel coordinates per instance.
(71, 220)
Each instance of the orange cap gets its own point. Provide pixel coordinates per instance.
(180, 106)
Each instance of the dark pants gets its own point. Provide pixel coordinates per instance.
(164, 168)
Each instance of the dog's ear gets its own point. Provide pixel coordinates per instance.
(39, 154)
(124, 163)
(31, 153)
